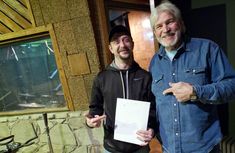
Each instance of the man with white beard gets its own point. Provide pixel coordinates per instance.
(190, 77)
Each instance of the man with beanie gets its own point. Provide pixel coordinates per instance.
(123, 78)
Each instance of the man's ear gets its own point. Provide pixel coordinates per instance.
(110, 48)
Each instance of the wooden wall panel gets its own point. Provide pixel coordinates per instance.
(65, 37)
(78, 64)
(37, 12)
(85, 41)
(9, 22)
(88, 80)
(15, 15)
(24, 2)
(83, 33)
(54, 10)
(18, 7)
(4, 29)
(77, 8)
(78, 92)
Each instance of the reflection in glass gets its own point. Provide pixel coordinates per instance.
(28, 76)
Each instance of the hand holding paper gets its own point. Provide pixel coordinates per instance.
(131, 116)
(145, 136)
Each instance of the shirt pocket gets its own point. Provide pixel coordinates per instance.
(195, 75)
(157, 85)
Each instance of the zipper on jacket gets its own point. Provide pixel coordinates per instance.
(125, 86)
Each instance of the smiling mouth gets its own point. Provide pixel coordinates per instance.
(168, 35)
(123, 51)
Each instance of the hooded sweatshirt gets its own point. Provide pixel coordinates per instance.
(113, 83)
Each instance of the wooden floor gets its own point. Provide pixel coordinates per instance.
(155, 146)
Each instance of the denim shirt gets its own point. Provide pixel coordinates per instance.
(192, 126)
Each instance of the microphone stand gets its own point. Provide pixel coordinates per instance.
(48, 133)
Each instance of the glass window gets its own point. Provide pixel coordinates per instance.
(28, 76)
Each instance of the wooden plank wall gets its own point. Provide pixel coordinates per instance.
(15, 15)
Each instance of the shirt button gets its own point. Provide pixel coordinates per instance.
(174, 104)
(173, 74)
(176, 134)
(175, 120)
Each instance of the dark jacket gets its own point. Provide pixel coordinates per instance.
(110, 84)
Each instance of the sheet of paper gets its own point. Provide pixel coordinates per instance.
(131, 116)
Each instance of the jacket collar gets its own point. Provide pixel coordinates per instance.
(134, 66)
(183, 48)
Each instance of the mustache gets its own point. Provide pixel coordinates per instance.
(123, 49)
(168, 34)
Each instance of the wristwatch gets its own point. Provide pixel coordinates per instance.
(194, 95)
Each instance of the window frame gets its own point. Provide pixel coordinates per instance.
(38, 32)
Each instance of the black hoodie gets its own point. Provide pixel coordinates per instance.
(112, 83)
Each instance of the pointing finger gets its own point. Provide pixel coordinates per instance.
(97, 117)
(168, 91)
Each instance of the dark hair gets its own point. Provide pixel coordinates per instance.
(119, 29)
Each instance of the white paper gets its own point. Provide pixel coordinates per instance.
(131, 116)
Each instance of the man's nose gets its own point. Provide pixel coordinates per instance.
(122, 43)
(165, 28)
